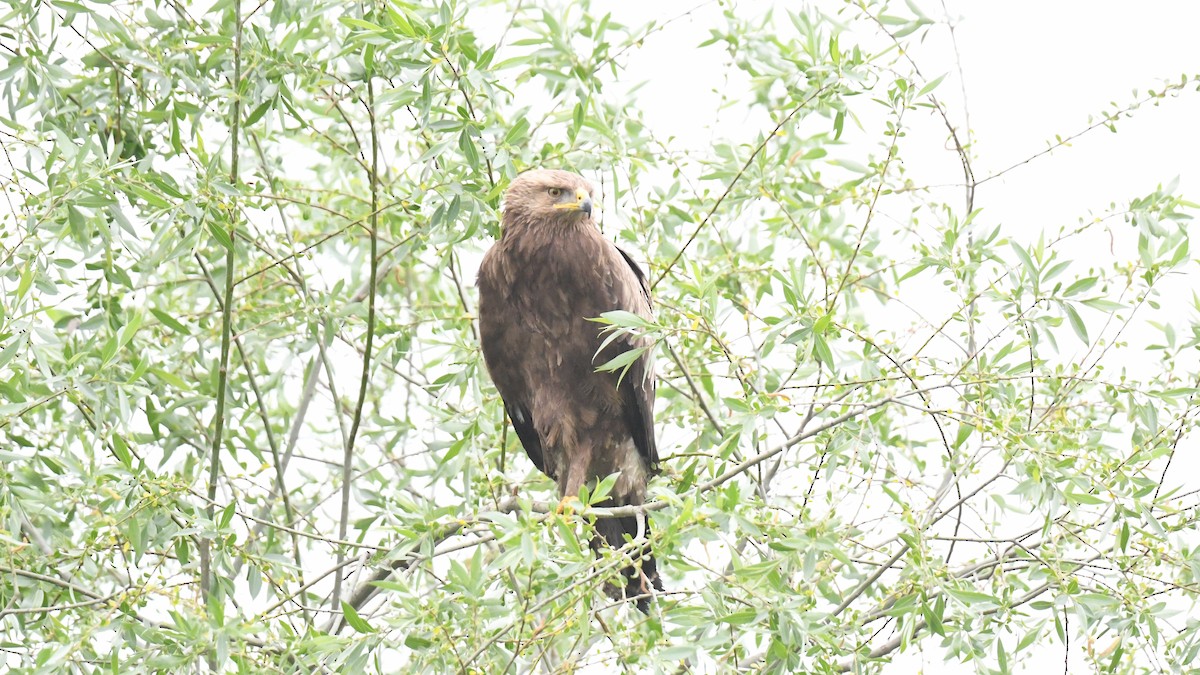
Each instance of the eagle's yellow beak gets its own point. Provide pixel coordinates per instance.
(583, 202)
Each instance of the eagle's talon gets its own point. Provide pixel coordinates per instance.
(568, 507)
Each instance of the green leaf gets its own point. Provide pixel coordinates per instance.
(1023, 255)
(1080, 286)
(220, 234)
(130, 328)
(26, 281)
(121, 450)
(1084, 498)
(1178, 392)
(964, 432)
(1076, 323)
(354, 620)
(415, 642)
(620, 317)
(360, 24)
(169, 321)
(822, 352)
(622, 362)
(109, 351)
(517, 133)
(77, 222)
(917, 269)
(603, 489)
(740, 617)
(1103, 304)
(227, 515)
(165, 184)
(577, 117)
(218, 40)
(258, 112)
(152, 198)
(933, 615)
(467, 145)
(930, 87)
(851, 165)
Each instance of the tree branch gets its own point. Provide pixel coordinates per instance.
(214, 467)
(348, 459)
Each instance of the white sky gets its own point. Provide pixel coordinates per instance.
(1032, 70)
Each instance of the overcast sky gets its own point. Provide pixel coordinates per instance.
(1032, 70)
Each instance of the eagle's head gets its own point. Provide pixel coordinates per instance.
(548, 195)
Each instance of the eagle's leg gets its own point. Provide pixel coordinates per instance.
(574, 480)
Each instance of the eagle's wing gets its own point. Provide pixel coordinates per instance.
(497, 334)
(522, 421)
(637, 398)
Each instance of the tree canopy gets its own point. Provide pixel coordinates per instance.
(245, 423)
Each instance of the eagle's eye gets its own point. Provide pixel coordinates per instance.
(555, 192)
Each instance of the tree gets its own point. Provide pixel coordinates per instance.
(246, 425)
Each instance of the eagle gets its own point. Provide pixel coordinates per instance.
(540, 285)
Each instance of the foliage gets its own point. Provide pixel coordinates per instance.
(245, 422)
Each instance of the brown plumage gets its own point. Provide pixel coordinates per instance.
(539, 284)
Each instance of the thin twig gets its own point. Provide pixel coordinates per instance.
(736, 179)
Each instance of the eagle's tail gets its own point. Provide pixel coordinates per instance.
(641, 578)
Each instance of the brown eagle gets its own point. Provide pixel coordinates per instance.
(539, 284)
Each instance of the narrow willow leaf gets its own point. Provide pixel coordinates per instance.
(354, 620)
(1076, 323)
